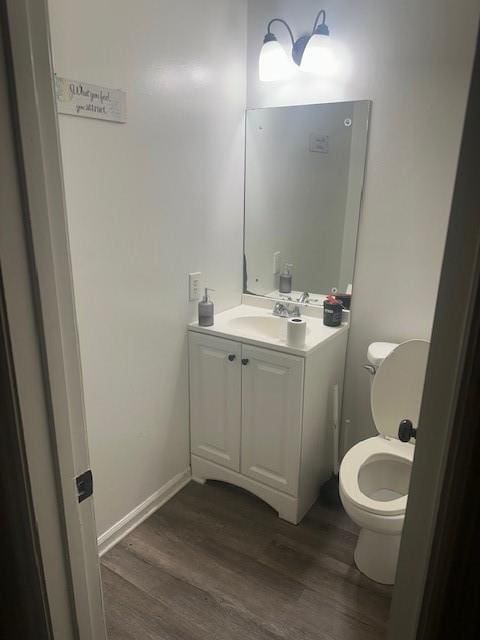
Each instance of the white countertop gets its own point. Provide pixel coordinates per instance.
(258, 326)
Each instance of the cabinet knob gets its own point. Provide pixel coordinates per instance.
(232, 357)
(245, 361)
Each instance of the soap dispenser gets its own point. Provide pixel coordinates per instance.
(285, 285)
(205, 310)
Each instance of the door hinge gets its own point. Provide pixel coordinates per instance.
(84, 485)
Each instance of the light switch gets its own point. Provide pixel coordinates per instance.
(194, 286)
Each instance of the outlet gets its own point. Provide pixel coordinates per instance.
(194, 286)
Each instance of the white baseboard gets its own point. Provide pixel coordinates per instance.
(129, 522)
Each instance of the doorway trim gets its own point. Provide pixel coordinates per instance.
(436, 536)
(34, 253)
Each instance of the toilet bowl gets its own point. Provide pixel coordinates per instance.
(375, 473)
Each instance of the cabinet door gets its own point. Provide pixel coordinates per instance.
(272, 400)
(215, 399)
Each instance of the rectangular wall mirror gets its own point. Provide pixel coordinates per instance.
(305, 169)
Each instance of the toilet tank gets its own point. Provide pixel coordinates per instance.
(378, 351)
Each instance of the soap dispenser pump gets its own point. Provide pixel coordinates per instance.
(205, 310)
(285, 284)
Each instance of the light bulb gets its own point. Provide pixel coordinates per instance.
(318, 56)
(274, 63)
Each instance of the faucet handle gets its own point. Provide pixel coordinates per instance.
(280, 309)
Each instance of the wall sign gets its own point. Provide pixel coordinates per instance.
(319, 143)
(76, 98)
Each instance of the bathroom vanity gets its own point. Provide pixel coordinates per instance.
(261, 412)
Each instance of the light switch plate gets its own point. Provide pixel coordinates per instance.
(194, 286)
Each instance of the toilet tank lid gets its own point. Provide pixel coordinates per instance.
(378, 351)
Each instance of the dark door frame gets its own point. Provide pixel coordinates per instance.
(43, 528)
(451, 604)
(25, 611)
(437, 593)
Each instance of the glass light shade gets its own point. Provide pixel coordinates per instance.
(318, 56)
(274, 63)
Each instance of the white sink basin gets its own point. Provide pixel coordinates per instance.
(260, 326)
(256, 325)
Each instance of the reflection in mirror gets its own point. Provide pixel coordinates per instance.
(304, 179)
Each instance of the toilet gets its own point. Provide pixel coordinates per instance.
(375, 473)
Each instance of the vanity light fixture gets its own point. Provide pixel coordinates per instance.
(312, 53)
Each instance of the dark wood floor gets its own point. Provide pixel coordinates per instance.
(216, 563)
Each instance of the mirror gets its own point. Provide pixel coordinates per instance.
(303, 187)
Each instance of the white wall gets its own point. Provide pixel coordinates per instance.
(149, 201)
(413, 59)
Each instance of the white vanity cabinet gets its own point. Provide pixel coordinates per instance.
(262, 418)
(272, 403)
(215, 399)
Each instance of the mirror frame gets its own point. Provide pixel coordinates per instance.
(369, 103)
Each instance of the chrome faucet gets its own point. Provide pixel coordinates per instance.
(304, 298)
(286, 310)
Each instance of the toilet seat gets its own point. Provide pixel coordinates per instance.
(376, 448)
